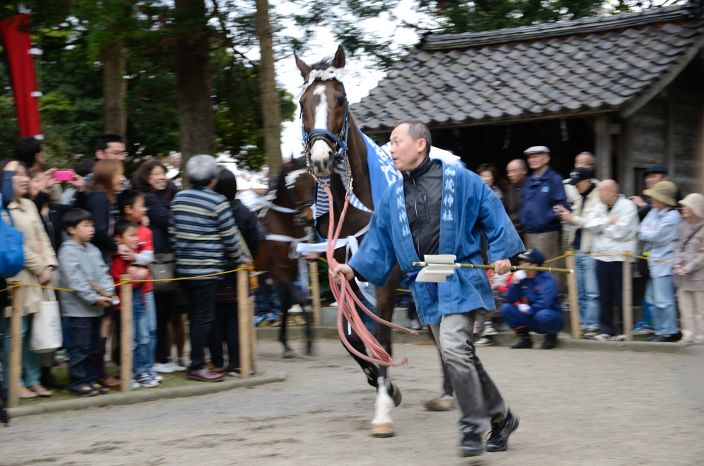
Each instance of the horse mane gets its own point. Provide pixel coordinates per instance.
(323, 64)
(280, 180)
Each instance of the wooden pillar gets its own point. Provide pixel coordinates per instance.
(627, 299)
(245, 322)
(315, 291)
(602, 147)
(573, 295)
(15, 369)
(126, 338)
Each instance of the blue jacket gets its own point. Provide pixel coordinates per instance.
(540, 293)
(468, 209)
(538, 197)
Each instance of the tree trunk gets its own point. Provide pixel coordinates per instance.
(196, 115)
(114, 60)
(271, 112)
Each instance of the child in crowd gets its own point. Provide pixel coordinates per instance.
(131, 204)
(81, 267)
(124, 263)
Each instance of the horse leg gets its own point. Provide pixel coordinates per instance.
(388, 394)
(286, 303)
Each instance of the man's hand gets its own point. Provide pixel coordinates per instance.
(524, 308)
(613, 220)
(564, 214)
(103, 301)
(638, 201)
(78, 182)
(345, 269)
(502, 266)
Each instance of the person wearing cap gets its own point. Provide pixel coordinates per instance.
(541, 192)
(580, 241)
(651, 176)
(516, 172)
(659, 230)
(615, 235)
(689, 268)
(532, 304)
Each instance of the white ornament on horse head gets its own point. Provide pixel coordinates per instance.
(323, 142)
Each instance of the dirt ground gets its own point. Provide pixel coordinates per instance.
(576, 408)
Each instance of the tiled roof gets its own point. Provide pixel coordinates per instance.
(592, 65)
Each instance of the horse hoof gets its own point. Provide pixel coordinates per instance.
(395, 393)
(445, 403)
(383, 430)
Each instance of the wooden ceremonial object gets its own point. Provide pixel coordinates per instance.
(126, 334)
(572, 296)
(245, 322)
(15, 369)
(627, 298)
(315, 291)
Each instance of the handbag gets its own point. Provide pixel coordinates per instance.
(164, 268)
(46, 326)
(11, 248)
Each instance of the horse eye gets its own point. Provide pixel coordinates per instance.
(341, 100)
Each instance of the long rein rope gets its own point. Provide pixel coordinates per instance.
(348, 301)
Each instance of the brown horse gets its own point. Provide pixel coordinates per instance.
(287, 218)
(335, 150)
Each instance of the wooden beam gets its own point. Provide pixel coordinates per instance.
(15, 369)
(627, 299)
(602, 146)
(245, 323)
(126, 337)
(575, 324)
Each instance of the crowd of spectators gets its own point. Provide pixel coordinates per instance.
(88, 231)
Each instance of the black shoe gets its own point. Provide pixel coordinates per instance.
(656, 338)
(500, 432)
(471, 445)
(523, 341)
(48, 380)
(675, 337)
(550, 341)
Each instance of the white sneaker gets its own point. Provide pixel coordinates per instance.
(618, 338)
(489, 331)
(164, 368)
(135, 384)
(156, 377)
(146, 380)
(414, 324)
(485, 342)
(602, 337)
(175, 367)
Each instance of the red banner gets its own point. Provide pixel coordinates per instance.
(14, 33)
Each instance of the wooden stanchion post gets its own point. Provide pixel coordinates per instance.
(572, 295)
(15, 369)
(245, 322)
(253, 334)
(627, 299)
(315, 291)
(126, 334)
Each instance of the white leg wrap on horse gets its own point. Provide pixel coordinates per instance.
(382, 424)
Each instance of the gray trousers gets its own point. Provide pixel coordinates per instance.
(549, 244)
(477, 396)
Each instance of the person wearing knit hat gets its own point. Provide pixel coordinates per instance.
(689, 269)
(659, 230)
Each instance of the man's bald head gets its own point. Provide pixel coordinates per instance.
(516, 170)
(608, 192)
(584, 160)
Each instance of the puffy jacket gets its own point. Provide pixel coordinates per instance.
(583, 209)
(539, 292)
(540, 194)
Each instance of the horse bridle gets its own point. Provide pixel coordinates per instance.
(336, 142)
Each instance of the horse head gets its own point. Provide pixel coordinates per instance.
(325, 113)
(299, 187)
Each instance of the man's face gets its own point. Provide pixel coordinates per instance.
(652, 179)
(607, 195)
(583, 185)
(538, 161)
(407, 152)
(488, 177)
(114, 151)
(515, 172)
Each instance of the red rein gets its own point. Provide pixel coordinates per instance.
(346, 300)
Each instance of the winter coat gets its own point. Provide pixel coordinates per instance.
(689, 254)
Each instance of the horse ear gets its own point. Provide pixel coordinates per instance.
(339, 60)
(304, 69)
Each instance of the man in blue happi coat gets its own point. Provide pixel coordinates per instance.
(440, 207)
